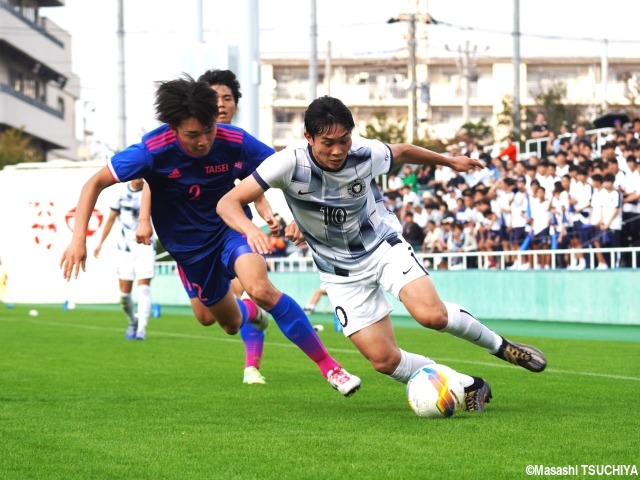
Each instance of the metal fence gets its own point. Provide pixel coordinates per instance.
(558, 260)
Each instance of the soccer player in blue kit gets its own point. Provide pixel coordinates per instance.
(227, 88)
(330, 186)
(189, 164)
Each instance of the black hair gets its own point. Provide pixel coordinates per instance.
(178, 100)
(223, 77)
(324, 114)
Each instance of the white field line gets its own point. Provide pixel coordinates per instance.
(236, 339)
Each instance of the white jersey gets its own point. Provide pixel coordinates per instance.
(127, 203)
(340, 213)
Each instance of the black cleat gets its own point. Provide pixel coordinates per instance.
(477, 395)
(524, 356)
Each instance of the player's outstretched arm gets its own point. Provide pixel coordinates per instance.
(407, 153)
(145, 229)
(75, 255)
(230, 210)
(108, 225)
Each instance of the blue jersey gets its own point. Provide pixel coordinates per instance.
(185, 189)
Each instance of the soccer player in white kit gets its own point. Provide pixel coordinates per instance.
(136, 261)
(330, 186)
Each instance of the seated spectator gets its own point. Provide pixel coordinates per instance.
(488, 235)
(394, 184)
(412, 232)
(409, 196)
(424, 176)
(459, 241)
(409, 178)
(433, 212)
(420, 216)
(431, 243)
(447, 226)
(510, 150)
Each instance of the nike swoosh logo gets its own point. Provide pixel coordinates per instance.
(300, 192)
(404, 273)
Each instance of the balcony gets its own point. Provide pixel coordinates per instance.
(44, 41)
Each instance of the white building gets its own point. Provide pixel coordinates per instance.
(38, 91)
(381, 84)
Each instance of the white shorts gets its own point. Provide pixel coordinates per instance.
(359, 300)
(137, 263)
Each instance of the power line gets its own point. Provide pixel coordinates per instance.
(532, 35)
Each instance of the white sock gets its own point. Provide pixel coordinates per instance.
(127, 305)
(144, 307)
(463, 325)
(409, 363)
(465, 379)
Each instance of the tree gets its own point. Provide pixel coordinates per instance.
(480, 132)
(385, 130)
(15, 147)
(552, 102)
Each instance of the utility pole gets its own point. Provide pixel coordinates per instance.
(604, 67)
(517, 121)
(411, 19)
(466, 66)
(313, 60)
(327, 70)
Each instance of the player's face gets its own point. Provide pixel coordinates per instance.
(227, 106)
(195, 138)
(330, 148)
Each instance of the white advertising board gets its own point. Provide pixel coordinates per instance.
(37, 205)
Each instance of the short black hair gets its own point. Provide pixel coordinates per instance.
(324, 114)
(178, 100)
(223, 77)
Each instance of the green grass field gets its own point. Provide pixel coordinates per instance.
(77, 401)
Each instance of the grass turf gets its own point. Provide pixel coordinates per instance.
(77, 401)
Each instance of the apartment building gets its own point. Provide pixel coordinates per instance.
(371, 85)
(38, 91)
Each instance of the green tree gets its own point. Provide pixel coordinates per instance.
(480, 132)
(506, 117)
(553, 103)
(15, 147)
(385, 130)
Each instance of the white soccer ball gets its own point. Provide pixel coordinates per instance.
(435, 391)
(33, 313)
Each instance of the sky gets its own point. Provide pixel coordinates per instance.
(160, 35)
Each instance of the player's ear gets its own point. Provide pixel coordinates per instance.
(309, 138)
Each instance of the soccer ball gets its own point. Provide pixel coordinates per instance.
(435, 391)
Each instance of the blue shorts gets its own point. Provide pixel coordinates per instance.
(517, 235)
(209, 279)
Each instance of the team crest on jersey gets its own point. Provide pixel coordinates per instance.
(357, 188)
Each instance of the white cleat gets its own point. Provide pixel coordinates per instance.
(252, 376)
(343, 381)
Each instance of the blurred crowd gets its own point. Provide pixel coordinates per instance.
(581, 192)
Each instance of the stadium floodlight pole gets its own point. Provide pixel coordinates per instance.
(412, 18)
